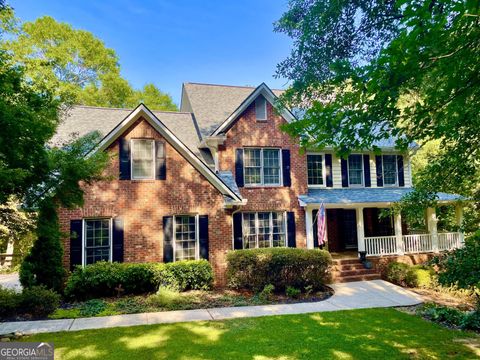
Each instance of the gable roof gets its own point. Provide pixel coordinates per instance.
(143, 111)
(212, 104)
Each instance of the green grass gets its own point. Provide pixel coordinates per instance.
(358, 334)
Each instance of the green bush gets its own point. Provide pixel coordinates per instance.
(410, 276)
(167, 298)
(266, 293)
(38, 301)
(292, 292)
(471, 321)
(186, 275)
(105, 279)
(92, 307)
(9, 300)
(281, 267)
(451, 316)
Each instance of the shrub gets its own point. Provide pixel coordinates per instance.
(92, 307)
(131, 305)
(104, 279)
(396, 273)
(38, 301)
(267, 292)
(9, 300)
(292, 292)
(410, 276)
(187, 275)
(442, 314)
(471, 321)
(167, 298)
(281, 267)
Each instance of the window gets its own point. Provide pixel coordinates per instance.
(355, 170)
(262, 166)
(143, 164)
(263, 229)
(315, 169)
(97, 241)
(389, 170)
(186, 239)
(261, 108)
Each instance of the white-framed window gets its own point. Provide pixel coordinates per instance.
(97, 240)
(262, 166)
(261, 108)
(316, 170)
(390, 171)
(143, 159)
(355, 170)
(185, 237)
(264, 229)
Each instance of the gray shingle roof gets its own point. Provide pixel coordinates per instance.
(80, 120)
(212, 104)
(227, 178)
(364, 195)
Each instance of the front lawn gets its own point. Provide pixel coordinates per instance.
(357, 334)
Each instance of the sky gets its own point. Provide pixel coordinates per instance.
(169, 42)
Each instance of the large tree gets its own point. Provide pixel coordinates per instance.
(367, 70)
(75, 65)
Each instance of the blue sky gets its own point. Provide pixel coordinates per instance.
(168, 42)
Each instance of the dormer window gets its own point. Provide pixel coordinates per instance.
(143, 159)
(261, 108)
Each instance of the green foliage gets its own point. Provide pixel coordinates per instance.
(167, 298)
(92, 307)
(9, 300)
(471, 321)
(77, 66)
(365, 71)
(292, 292)
(442, 314)
(15, 223)
(281, 267)
(104, 279)
(409, 276)
(38, 301)
(131, 305)
(187, 275)
(267, 292)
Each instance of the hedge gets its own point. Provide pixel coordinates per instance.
(280, 267)
(104, 279)
(408, 275)
(35, 301)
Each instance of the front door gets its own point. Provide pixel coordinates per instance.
(341, 229)
(349, 229)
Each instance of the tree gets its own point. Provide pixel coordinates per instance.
(153, 98)
(75, 65)
(367, 70)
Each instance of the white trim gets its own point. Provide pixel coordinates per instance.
(110, 236)
(198, 164)
(153, 159)
(396, 171)
(262, 181)
(363, 172)
(324, 171)
(270, 224)
(265, 108)
(267, 93)
(197, 236)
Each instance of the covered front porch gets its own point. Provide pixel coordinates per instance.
(354, 227)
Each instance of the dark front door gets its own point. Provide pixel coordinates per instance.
(341, 229)
(349, 229)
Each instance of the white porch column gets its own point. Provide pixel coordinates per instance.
(360, 229)
(398, 233)
(9, 259)
(432, 227)
(459, 221)
(309, 227)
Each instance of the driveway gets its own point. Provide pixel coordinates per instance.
(10, 281)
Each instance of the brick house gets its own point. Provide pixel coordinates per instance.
(221, 175)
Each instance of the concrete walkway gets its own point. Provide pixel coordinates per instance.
(10, 281)
(354, 295)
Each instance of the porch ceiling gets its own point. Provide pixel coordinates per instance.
(362, 195)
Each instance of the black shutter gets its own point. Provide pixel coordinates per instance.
(401, 174)
(117, 246)
(378, 160)
(239, 168)
(328, 169)
(167, 239)
(366, 170)
(160, 160)
(291, 233)
(237, 231)
(124, 157)
(75, 243)
(286, 167)
(344, 173)
(315, 228)
(203, 236)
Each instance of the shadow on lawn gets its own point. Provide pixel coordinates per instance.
(363, 334)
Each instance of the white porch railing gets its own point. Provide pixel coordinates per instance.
(411, 244)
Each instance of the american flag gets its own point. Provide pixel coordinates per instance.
(321, 226)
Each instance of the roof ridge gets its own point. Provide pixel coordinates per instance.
(224, 85)
(129, 109)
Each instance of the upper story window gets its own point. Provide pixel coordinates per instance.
(185, 237)
(261, 108)
(97, 241)
(263, 229)
(143, 159)
(262, 166)
(315, 169)
(355, 170)
(389, 170)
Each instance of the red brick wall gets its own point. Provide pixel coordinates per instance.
(247, 131)
(143, 203)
